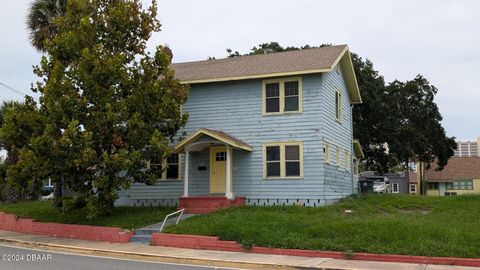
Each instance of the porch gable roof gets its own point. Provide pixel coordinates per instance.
(218, 135)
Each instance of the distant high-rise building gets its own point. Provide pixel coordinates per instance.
(468, 148)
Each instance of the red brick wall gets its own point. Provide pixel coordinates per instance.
(213, 243)
(9, 222)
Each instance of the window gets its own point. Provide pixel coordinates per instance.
(460, 185)
(272, 97)
(395, 188)
(283, 160)
(221, 156)
(413, 188)
(327, 152)
(337, 155)
(291, 96)
(166, 169)
(433, 185)
(347, 161)
(282, 96)
(338, 106)
(292, 160)
(273, 161)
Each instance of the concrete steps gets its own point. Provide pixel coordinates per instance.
(144, 235)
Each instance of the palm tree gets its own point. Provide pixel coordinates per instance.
(41, 14)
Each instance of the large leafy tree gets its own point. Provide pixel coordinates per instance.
(107, 104)
(41, 15)
(396, 123)
(20, 122)
(418, 135)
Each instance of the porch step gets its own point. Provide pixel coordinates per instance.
(203, 205)
(141, 239)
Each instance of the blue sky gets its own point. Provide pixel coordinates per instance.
(438, 39)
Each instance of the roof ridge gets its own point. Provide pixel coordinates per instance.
(258, 55)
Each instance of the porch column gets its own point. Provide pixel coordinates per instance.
(228, 178)
(185, 181)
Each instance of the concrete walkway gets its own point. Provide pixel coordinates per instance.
(202, 257)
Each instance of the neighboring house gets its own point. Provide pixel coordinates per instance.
(272, 129)
(413, 183)
(460, 176)
(468, 148)
(399, 183)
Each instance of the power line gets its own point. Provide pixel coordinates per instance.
(18, 92)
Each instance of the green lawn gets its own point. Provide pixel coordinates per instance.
(123, 217)
(412, 225)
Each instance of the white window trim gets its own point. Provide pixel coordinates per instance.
(282, 159)
(393, 188)
(281, 83)
(410, 188)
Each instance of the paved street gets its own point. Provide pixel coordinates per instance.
(13, 258)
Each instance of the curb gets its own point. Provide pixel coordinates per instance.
(214, 243)
(162, 258)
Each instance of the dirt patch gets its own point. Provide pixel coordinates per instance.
(422, 211)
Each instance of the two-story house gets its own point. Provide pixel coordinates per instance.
(272, 129)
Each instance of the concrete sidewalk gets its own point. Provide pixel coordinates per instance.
(202, 257)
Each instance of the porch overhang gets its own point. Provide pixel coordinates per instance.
(215, 134)
(357, 149)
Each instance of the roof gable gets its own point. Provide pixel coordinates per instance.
(289, 63)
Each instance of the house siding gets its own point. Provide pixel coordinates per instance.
(236, 108)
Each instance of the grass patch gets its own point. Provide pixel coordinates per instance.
(391, 224)
(123, 217)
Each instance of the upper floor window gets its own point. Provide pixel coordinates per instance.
(283, 160)
(282, 96)
(168, 169)
(338, 106)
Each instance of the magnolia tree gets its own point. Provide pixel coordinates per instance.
(107, 105)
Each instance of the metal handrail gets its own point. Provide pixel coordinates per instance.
(172, 214)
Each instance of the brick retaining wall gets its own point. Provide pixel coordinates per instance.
(10, 222)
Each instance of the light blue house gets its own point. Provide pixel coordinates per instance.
(273, 129)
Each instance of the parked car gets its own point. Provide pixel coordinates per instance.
(381, 185)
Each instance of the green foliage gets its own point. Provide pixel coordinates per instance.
(390, 224)
(106, 104)
(41, 15)
(401, 116)
(21, 121)
(123, 217)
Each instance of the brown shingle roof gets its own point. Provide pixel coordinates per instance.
(457, 168)
(257, 65)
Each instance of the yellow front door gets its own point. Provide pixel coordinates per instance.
(218, 165)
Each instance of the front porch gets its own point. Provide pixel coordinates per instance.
(214, 148)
